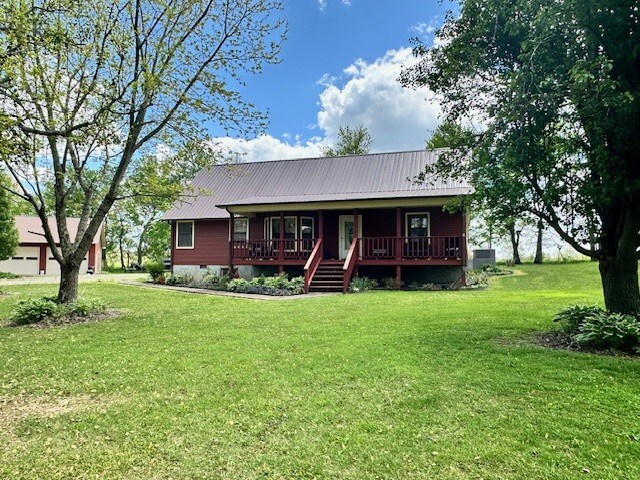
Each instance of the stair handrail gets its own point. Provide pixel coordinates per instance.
(349, 265)
(312, 264)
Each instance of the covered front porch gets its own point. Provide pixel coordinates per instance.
(330, 244)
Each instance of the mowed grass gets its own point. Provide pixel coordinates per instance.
(373, 385)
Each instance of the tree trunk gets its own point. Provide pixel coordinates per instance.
(121, 253)
(538, 257)
(139, 249)
(68, 291)
(620, 285)
(618, 262)
(515, 241)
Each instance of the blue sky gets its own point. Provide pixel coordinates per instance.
(339, 66)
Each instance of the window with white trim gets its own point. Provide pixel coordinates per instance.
(417, 224)
(184, 234)
(272, 227)
(307, 228)
(241, 229)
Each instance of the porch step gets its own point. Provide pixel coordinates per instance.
(328, 277)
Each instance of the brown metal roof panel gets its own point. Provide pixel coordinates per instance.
(382, 175)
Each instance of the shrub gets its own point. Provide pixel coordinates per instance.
(47, 309)
(8, 275)
(296, 285)
(361, 284)
(34, 310)
(174, 280)
(476, 279)
(609, 330)
(277, 285)
(572, 317)
(390, 283)
(155, 270)
(279, 281)
(223, 282)
(495, 270)
(238, 285)
(84, 307)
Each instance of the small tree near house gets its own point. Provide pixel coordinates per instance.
(90, 86)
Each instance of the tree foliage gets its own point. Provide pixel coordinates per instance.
(351, 141)
(90, 86)
(8, 233)
(556, 86)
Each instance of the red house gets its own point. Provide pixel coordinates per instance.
(327, 218)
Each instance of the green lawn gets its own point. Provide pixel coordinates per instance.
(374, 385)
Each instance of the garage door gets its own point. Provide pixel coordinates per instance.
(23, 262)
(53, 267)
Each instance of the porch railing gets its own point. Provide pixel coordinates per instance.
(369, 248)
(349, 265)
(312, 264)
(273, 249)
(387, 248)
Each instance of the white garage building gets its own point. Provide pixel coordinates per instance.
(34, 257)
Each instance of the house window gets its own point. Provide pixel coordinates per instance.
(184, 237)
(306, 228)
(272, 227)
(417, 224)
(241, 229)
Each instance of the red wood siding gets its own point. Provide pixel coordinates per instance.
(42, 267)
(92, 256)
(210, 244)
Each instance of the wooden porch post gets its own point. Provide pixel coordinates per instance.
(356, 235)
(173, 244)
(398, 234)
(398, 246)
(281, 246)
(231, 223)
(320, 225)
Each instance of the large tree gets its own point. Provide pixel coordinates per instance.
(557, 87)
(351, 141)
(90, 86)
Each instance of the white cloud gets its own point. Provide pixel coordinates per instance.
(326, 80)
(266, 147)
(397, 118)
(424, 28)
(322, 4)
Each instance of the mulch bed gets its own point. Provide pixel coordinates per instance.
(562, 341)
(71, 320)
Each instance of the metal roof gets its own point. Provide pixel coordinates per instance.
(324, 179)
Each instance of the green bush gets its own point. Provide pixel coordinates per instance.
(390, 283)
(276, 285)
(34, 310)
(362, 284)
(155, 270)
(296, 285)
(279, 281)
(8, 275)
(174, 280)
(476, 279)
(83, 307)
(495, 270)
(609, 330)
(47, 309)
(572, 317)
